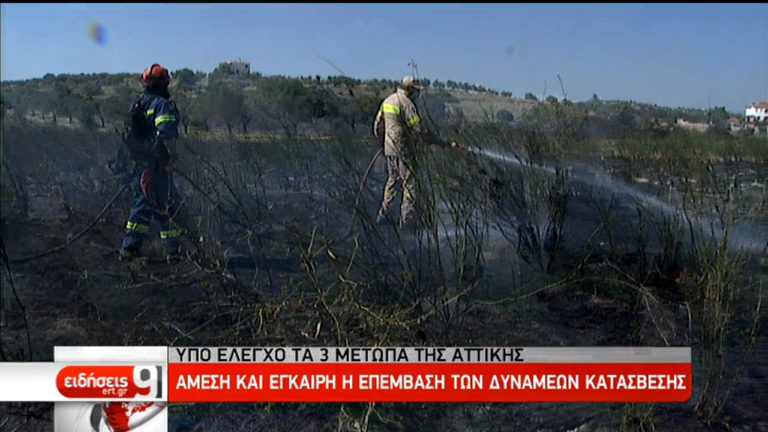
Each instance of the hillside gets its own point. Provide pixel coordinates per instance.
(273, 104)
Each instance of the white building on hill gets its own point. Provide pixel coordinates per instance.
(239, 67)
(757, 112)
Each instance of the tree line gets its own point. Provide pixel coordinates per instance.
(253, 103)
(219, 101)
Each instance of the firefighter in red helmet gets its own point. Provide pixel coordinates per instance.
(152, 138)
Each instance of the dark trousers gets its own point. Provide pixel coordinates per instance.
(154, 202)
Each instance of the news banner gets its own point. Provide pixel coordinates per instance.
(123, 385)
(356, 374)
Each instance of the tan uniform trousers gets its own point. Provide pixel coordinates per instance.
(398, 174)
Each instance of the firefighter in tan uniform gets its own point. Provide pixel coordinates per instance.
(398, 120)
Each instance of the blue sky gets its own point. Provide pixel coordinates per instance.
(691, 55)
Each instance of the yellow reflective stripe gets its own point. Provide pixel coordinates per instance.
(133, 226)
(389, 193)
(169, 234)
(150, 112)
(164, 119)
(379, 114)
(413, 120)
(390, 109)
(407, 194)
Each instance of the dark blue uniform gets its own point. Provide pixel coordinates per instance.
(155, 194)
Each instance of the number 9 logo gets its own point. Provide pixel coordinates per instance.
(148, 380)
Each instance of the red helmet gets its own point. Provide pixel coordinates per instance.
(155, 76)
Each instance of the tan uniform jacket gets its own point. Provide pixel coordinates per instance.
(399, 114)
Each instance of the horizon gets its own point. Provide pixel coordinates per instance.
(380, 78)
(670, 55)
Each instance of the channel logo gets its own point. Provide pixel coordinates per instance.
(113, 382)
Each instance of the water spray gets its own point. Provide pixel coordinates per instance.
(750, 237)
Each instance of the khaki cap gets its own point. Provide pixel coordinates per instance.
(411, 82)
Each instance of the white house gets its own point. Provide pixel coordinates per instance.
(757, 112)
(239, 67)
(698, 127)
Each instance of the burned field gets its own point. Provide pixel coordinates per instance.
(525, 240)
